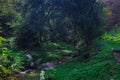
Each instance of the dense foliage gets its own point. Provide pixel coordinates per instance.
(59, 21)
(39, 33)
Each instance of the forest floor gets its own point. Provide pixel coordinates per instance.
(102, 65)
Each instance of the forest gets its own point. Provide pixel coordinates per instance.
(59, 40)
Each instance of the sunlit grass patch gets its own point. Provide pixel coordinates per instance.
(67, 51)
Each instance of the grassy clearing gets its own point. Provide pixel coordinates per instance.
(101, 67)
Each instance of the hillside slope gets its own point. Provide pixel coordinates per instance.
(102, 66)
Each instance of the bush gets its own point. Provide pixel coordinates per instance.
(11, 63)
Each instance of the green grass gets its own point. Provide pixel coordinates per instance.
(102, 66)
